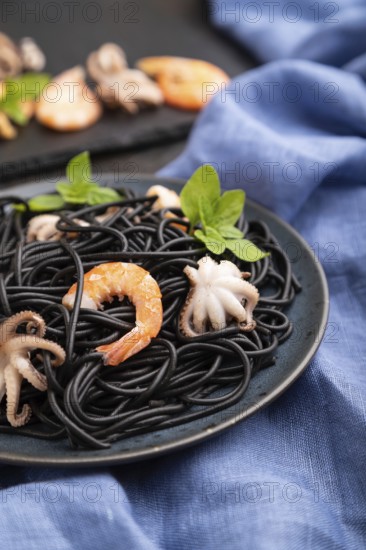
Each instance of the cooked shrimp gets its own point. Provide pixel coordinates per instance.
(119, 279)
(182, 80)
(67, 104)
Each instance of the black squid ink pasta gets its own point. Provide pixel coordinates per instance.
(176, 379)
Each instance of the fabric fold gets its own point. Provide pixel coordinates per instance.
(328, 32)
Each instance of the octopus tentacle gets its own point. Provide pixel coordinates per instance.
(32, 341)
(2, 384)
(186, 316)
(228, 269)
(207, 269)
(26, 369)
(200, 311)
(216, 312)
(232, 305)
(38, 323)
(244, 290)
(9, 327)
(250, 305)
(192, 275)
(13, 381)
(238, 286)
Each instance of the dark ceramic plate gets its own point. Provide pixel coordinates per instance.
(309, 313)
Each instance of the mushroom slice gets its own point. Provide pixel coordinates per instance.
(132, 90)
(10, 59)
(43, 228)
(32, 56)
(166, 198)
(119, 86)
(67, 104)
(107, 215)
(109, 60)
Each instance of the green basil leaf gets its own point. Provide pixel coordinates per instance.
(26, 87)
(32, 84)
(63, 187)
(11, 90)
(245, 250)
(19, 207)
(80, 189)
(204, 182)
(44, 203)
(79, 169)
(212, 239)
(13, 110)
(229, 232)
(70, 199)
(229, 207)
(205, 211)
(76, 193)
(100, 195)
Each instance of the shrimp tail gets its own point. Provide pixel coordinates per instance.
(131, 343)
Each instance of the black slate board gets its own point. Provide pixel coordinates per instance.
(142, 28)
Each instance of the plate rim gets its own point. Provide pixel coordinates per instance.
(129, 456)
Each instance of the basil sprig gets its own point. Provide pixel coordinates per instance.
(78, 189)
(216, 214)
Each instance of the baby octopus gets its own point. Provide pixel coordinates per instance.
(217, 295)
(15, 361)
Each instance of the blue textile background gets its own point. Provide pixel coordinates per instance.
(292, 476)
(324, 31)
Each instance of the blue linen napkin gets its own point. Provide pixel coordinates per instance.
(292, 476)
(329, 32)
